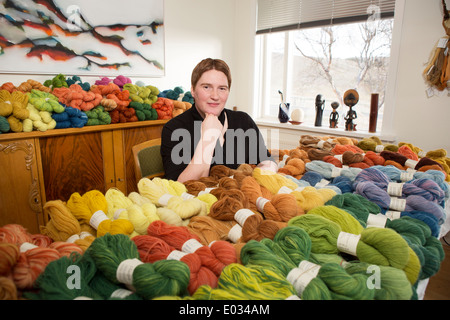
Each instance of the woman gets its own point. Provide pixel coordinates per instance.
(208, 134)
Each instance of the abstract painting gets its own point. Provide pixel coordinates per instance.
(82, 37)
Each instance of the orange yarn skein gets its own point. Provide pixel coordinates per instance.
(281, 207)
(209, 229)
(177, 236)
(294, 167)
(164, 108)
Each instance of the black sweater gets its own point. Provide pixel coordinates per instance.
(243, 142)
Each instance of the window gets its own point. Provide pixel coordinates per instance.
(308, 54)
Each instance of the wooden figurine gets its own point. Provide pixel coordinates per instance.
(319, 110)
(351, 98)
(334, 115)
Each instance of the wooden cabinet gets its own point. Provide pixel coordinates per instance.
(20, 194)
(36, 167)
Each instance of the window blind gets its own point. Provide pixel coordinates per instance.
(282, 15)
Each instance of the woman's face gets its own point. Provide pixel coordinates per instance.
(211, 92)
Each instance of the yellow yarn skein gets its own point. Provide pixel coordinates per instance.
(169, 216)
(138, 198)
(84, 207)
(179, 189)
(18, 101)
(116, 200)
(79, 208)
(6, 106)
(209, 199)
(184, 208)
(119, 226)
(140, 217)
(62, 224)
(272, 181)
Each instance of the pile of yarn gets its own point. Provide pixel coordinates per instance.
(318, 229)
(107, 101)
(13, 107)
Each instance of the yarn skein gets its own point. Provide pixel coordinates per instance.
(372, 245)
(118, 258)
(153, 249)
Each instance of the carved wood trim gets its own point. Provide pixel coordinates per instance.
(34, 196)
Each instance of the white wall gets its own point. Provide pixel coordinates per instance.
(418, 119)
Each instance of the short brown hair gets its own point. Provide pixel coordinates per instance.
(210, 64)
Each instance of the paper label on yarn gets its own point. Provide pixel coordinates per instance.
(293, 297)
(300, 277)
(392, 215)
(121, 293)
(348, 242)
(421, 153)
(397, 204)
(299, 189)
(242, 214)
(293, 275)
(260, 203)
(124, 272)
(164, 199)
(320, 144)
(187, 196)
(285, 157)
(322, 183)
(82, 298)
(395, 189)
(235, 233)
(84, 234)
(207, 190)
(376, 220)
(117, 213)
(24, 247)
(339, 157)
(284, 189)
(191, 246)
(336, 172)
(410, 163)
(379, 148)
(73, 238)
(97, 218)
(176, 255)
(406, 176)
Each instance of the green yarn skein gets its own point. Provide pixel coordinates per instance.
(150, 280)
(4, 125)
(45, 101)
(58, 81)
(255, 282)
(377, 246)
(56, 282)
(98, 116)
(295, 243)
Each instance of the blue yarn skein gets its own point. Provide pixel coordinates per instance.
(426, 188)
(377, 195)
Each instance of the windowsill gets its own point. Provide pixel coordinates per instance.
(323, 130)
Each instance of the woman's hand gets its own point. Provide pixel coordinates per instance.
(212, 129)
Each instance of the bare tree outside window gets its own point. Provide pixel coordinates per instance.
(329, 61)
